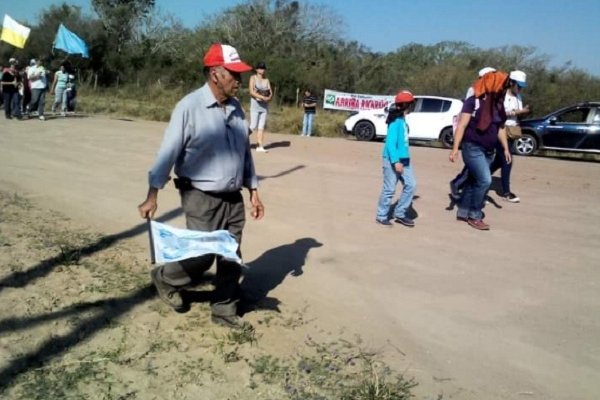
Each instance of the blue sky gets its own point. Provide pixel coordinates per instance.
(565, 30)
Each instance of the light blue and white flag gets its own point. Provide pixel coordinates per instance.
(174, 244)
(70, 42)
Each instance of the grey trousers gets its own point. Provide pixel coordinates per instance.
(208, 212)
(38, 101)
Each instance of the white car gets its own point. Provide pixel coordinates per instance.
(433, 118)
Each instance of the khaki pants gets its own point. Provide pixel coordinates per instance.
(208, 212)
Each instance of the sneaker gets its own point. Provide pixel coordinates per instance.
(384, 222)
(63, 114)
(42, 118)
(478, 224)
(230, 321)
(405, 221)
(167, 293)
(513, 198)
(261, 149)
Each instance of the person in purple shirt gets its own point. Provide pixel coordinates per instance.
(480, 127)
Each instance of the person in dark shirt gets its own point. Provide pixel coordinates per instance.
(480, 127)
(10, 92)
(310, 108)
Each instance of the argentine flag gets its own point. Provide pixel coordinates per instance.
(14, 33)
(171, 244)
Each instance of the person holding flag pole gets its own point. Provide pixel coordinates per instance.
(207, 143)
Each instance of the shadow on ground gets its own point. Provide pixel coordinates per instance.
(43, 268)
(270, 269)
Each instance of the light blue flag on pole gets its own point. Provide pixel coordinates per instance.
(174, 244)
(70, 42)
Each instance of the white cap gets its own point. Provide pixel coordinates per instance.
(12, 61)
(520, 77)
(486, 70)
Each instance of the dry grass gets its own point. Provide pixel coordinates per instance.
(80, 319)
(155, 103)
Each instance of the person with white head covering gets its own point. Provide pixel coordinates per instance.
(481, 73)
(457, 183)
(513, 105)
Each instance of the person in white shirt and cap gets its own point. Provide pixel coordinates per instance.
(513, 105)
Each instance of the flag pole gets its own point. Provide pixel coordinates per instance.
(152, 254)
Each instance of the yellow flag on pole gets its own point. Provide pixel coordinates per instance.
(14, 33)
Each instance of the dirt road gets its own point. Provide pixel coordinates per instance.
(507, 314)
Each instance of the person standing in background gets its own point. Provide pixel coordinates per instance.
(10, 90)
(310, 108)
(59, 89)
(260, 95)
(39, 84)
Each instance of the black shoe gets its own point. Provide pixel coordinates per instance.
(513, 198)
(383, 222)
(170, 295)
(405, 221)
(462, 219)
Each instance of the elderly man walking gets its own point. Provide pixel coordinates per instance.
(207, 143)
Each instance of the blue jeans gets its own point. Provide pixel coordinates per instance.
(307, 124)
(390, 179)
(12, 108)
(477, 160)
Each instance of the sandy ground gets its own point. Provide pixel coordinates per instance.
(507, 314)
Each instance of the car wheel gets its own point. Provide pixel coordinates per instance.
(364, 130)
(447, 138)
(525, 145)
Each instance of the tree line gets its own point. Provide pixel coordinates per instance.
(132, 43)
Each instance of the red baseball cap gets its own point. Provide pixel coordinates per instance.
(404, 96)
(223, 55)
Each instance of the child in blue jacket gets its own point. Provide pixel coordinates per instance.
(396, 164)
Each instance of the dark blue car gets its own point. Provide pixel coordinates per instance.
(571, 128)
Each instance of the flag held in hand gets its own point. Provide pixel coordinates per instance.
(174, 244)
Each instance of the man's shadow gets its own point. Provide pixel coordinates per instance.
(496, 186)
(274, 145)
(410, 211)
(270, 269)
(453, 201)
